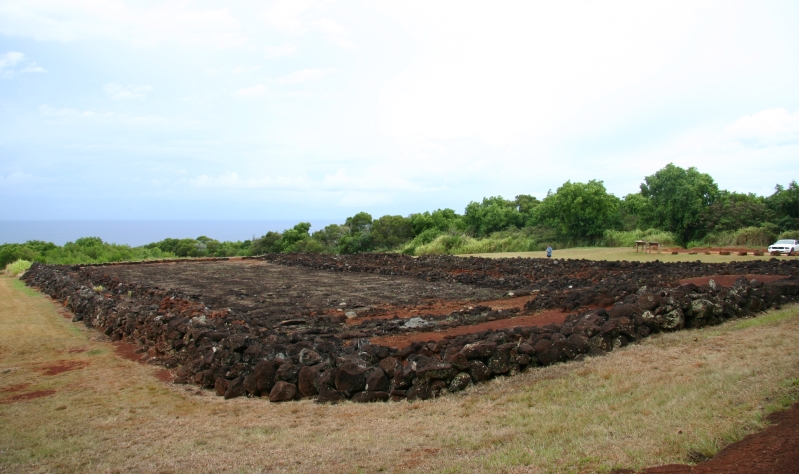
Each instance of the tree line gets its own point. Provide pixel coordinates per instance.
(683, 206)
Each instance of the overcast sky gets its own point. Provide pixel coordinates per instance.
(319, 109)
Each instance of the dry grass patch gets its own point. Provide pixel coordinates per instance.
(653, 403)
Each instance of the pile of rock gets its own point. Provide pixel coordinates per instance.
(214, 349)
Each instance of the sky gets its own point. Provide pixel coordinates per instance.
(304, 109)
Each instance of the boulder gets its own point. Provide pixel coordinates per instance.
(350, 378)
(547, 353)
(628, 311)
(420, 391)
(499, 363)
(368, 397)
(460, 382)
(328, 394)
(283, 392)
(235, 388)
(479, 350)
(376, 381)
(673, 320)
(309, 357)
(458, 360)
(288, 372)
(388, 365)
(646, 302)
(701, 308)
(221, 385)
(434, 369)
(261, 380)
(479, 371)
(307, 381)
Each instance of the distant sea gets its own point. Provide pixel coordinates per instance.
(135, 233)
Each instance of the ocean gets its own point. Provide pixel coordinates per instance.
(135, 233)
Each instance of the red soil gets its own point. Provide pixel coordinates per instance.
(539, 319)
(774, 450)
(27, 396)
(15, 388)
(165, 376)
(728, 280)
(437, 308)
(127, 351)
(62, 366)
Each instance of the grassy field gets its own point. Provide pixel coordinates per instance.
(672, 398)
(626, 253)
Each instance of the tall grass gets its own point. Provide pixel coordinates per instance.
(15, 268)
(627, 238)
(746, 237)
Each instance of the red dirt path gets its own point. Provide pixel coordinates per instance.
(437, 308)
(728, 280)
(539, 319)
(774, 450)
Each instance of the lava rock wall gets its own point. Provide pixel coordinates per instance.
(212, 348)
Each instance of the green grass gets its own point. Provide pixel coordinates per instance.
(625, 253)
(17, 267)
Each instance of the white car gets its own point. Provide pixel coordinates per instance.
(788, 246)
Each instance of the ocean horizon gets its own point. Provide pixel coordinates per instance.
(141, 232)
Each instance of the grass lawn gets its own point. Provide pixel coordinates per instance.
(627, 253)
(669, 398)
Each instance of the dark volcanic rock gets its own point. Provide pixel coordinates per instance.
(350, 378)
(283, 392)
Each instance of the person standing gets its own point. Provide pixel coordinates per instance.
(549, 251)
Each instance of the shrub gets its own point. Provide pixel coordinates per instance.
(621, 238)
(15, 268)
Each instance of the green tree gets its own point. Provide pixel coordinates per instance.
(390, 231)
(493, 214)
(733, 211)
(785, 205)
(526, 205)
(271, 242)
(441, 220)
(677, 198)
(330, 236)
(579, 210)
(293, 236)
(631, 207)
(360, 223)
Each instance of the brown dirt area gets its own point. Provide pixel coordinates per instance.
(27, 396)
(62, 366)
(774, 450)
(262, 289)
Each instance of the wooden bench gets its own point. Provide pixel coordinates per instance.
(646, 246)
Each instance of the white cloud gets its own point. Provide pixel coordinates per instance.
(252, 92)
(298, 17)
(244, 70)
(305, 75)
(71, 116)
(129, 92)
(767, 128)
(70, 20)
(18, 178)
(9, 60)
(272, 52)
(231, 180)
